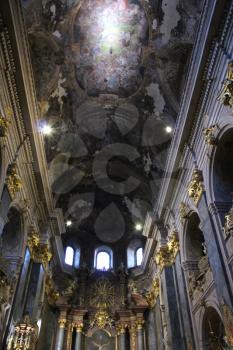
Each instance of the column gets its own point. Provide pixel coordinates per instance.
(60, 334)
(78, 338)
(140, 335)
(121, 337)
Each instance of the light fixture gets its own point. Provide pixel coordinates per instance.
(46, 129)
(138, 227)
(68, 223)
(168, 129)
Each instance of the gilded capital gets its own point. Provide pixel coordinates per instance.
(196, 186)
(166, 254)
(40, 252)
(121, 328)
(78, 326)
(62, 322)
(139, 323)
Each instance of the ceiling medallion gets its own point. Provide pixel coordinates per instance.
(196, 186)
(226, 96)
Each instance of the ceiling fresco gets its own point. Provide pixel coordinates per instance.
(109, 76)
(109, 38)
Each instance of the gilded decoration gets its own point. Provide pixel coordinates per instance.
(40, 251)
(50, 290)
(228, 226)
(226, 96)
(102, 293)
(196, 187)
(153, 293)
(102, 318)
(13, 181)
(23, 337)
(166, 254)
(209, 136)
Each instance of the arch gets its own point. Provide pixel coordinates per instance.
(132, 250)
(213, 335)
(12, 239)
(222, 170)
(103, 258)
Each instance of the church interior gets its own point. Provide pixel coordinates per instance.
(116, 174)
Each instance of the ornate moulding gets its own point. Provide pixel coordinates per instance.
(226, 95)
(196, 186)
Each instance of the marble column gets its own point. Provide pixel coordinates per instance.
(140, 335)
(121, 337)
(78, 338)
(60, 335)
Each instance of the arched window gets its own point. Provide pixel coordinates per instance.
(134, 253)
(103, 258)
(103, 261)
(139, 256)
(69, 256)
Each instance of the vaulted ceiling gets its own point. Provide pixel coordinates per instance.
(109, 76)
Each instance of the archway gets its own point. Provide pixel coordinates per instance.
(223, 168)
(213, 331)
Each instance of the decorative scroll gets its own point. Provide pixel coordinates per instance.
(196, 187)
